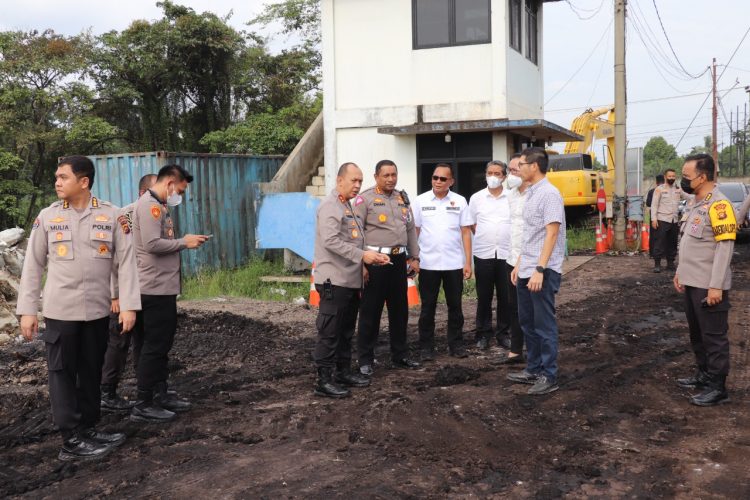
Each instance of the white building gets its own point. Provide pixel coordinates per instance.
(426, 81)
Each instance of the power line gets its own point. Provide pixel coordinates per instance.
(583, 64)
(733, 54)
(575, 10)
(658, 15)
(693, 120)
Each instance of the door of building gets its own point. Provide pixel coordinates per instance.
(468, 153)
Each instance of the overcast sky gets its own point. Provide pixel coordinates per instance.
(698, 30)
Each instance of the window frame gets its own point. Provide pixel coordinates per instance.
(531, 51)
(452, 28)
(515, 26)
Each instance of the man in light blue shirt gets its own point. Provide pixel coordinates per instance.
(537, 273)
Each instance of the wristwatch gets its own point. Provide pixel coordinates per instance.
(539, 269)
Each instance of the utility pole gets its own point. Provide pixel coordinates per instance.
(620, 120)
(714, 117)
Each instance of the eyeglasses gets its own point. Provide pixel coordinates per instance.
(441, 179)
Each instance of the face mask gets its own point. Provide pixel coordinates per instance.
(513, 181)
(685, 185)
(493, 182)
(174, 199)
(670, 181)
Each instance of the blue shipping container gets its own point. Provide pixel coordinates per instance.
(219, 201)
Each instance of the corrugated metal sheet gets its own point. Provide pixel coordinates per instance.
(219, 201)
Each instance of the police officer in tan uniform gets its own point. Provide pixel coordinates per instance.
(77, 239)
(708, 233)
(664, 215)
(119, 343)
(158, 253)
(389, 228)
(339, 254)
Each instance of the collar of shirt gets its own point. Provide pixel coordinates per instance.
(487, 193)
(537, 185)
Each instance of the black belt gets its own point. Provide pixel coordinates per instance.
(388, 250)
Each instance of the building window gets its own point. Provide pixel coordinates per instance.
(532, 31)
(514, 29)
(444, 23)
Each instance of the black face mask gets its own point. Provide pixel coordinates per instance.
(685, 185)
(670, 181)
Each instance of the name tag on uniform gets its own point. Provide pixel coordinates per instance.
(424, 209)
(452, 209)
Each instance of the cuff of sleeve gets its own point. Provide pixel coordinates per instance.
(183, 245)
(130, 305)
(358, 255)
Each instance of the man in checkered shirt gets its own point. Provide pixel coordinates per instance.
(537, 273)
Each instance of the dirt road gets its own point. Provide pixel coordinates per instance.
(618, 427)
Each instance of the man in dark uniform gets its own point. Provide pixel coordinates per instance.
(389, 228)
(77, 239)
(119, 342)
(158, 254)
(339, 254)
(664, 215)
(709, 230)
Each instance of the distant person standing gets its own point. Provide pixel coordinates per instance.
(704, 275)
(77, 240)
(650, 196)
(444, 229)
(664, 217)
(489, 214)
(158, 252)
(339, 255)
(538, 272)
(388, 223)
(119, 342)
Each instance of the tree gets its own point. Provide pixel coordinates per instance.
(12, 190)
(659, 155)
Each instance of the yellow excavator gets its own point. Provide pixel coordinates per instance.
(573, 172)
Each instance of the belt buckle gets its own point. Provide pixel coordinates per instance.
(395, 250)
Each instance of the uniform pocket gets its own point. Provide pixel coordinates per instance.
(60, 245)
(54, 349)
(101, 241)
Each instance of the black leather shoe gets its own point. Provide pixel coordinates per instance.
(458, 352)
(327, 388)
(715, 392)
(523, 377)
(111, 401)
(671, 266)
(657, 268)
(427, 355)
(504, 341)
(483, 344)
(347, 378)
(366, 370)
(113, 439)
(697, 381)
(509, 360)
(405, 363)
(171, 402)
(147, 410)
(80, 448)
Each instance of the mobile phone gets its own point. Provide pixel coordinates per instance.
(704, 302)
(209, 235)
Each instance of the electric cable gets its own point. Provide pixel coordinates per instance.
(661, 23)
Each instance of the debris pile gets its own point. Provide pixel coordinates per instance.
(12, 244)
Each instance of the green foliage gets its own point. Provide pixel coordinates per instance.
(12, 190)
(244, 282)
(580, 239)
(658, 155)
(92, 134)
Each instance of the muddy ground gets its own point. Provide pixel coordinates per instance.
(618, 427)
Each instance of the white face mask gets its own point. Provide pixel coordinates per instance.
(494, 182)
(174, 199)
(513, 181)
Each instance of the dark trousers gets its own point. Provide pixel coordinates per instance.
(664, 240)
(117, 353)
(516, 334)
(429, 288)
(491, 279)
(536, 313)
(75, 352)
(337, 317)
(153, 337)
(709, 327)
(386, 285)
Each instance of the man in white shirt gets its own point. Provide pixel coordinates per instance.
(489, 212)
(444, 229)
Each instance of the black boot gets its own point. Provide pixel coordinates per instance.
(171, 402)
(77, 447)
(113, 439)
(346, 377)
(657, 265)
(111, 401)
(697, 381)
(148, 410)
(715, 392)
(326, 387)
(670, 265)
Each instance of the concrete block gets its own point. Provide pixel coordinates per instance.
(322, 191)
(318, 181)
(322, 171)
(313, 190)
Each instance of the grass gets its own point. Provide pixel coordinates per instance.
(244, 282)
(580, 239)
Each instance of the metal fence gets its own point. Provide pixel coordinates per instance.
(220, 201)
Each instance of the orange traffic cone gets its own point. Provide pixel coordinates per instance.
(600, 246)
(644, 237)
(611, 233)
(314, 295)
(629, 234)
(412, 295)
(605, 239)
